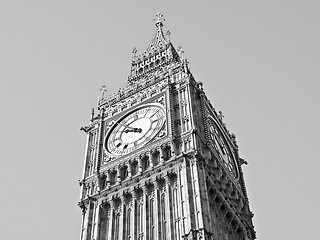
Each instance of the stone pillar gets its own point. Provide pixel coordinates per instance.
(129, 170)
(86, 160)
(133, 214)
(118, 174)
(108, 179)
(145, 212)
(177, 216)
(97, 221)
(161, 157)
(121, 210)
(186, 188)
(172, 152)
(168, 202)
(195, 166)
(139, 165)
(85, 215)
(181, 202)
(96, 186)
(149, 155)
(156, 209)
(86, 222)
(112, 207)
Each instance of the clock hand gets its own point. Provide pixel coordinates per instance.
(131, 129)
(125, 126)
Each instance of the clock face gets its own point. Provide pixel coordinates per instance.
(135, 129)
(223, 148)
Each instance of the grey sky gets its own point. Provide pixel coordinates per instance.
(258, 60)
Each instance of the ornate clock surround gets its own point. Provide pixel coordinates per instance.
(222, 147)
(135, 129)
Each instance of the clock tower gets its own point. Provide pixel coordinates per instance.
(160, 163)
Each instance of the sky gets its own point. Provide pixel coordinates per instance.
(258, 61)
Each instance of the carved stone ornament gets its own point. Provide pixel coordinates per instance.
(83, 207)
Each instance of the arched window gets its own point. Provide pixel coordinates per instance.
(124, 173)
(134, 168)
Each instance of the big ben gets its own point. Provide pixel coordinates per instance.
(160, 163)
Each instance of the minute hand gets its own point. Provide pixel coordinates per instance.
(138, 130)
(125, 126)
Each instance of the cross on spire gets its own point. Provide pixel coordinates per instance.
(159, 20)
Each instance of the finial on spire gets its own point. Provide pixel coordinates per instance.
(220, 115)
(103, 90)
(92, 114)
(168, 34)
(180, 52)
(134, 52)
(159, 20)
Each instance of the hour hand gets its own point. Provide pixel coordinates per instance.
(138, 130)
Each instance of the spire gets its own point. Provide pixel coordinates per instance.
(159, 52)
(159, 40)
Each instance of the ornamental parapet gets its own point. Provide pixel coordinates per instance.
(148, 83)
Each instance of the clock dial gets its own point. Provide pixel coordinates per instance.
(135, 129)
(223, 148)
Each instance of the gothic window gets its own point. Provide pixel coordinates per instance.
(183, 94)
(92, 138)
(91, 189)
(86, 191)
(145, 163)
(103, 182)
(89, 169)
(134, 168)
(156, 158)
(113, 177)
(166, 153)
(186, 145)
(124, 172)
